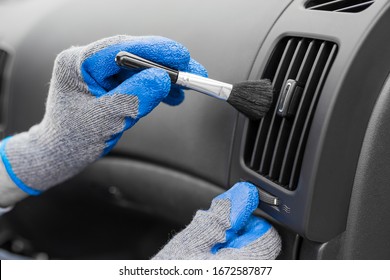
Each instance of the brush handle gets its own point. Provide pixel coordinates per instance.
(214, 88)
(129, 60)
(198, 83)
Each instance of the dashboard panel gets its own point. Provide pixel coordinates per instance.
(178, 158)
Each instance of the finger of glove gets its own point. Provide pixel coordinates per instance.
(209, 228)
(196, 68)
(133, 99)
(149, 87)
(205, 230)
(244, 199)
(101, 73)
(176, 95)
(228, 214)
(253, 229)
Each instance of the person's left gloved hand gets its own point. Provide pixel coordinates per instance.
(228, 230)
(91, 102)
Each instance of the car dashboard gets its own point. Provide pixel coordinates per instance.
(318, 157)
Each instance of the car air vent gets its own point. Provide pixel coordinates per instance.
(275, 145)
(346, 6)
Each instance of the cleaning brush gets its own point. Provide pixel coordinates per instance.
(252, 98)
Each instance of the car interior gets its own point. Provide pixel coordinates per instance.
(322, 166)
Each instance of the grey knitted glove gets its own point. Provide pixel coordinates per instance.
(91, 102)
(228, 230)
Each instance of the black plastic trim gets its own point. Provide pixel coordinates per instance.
(338, 126)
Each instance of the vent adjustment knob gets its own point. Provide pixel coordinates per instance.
(289, 99)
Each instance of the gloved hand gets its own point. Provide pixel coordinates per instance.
(91, 102)
(228, 230)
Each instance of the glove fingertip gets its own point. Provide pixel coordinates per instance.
(160, 82)
(175, 97)
(153, 86)
(253, 230)
(244, 192)
(163, 51)
(244, 199)
(257, 225)
(149, 80)
(195, 67)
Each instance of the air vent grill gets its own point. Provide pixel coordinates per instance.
(275, 145)
(346, 6)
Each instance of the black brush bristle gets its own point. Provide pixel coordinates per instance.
(252, 98)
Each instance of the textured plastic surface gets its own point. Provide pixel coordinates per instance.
(197, 135)
(117, 208)
(172, 194)
(368, 226)
(340, 121)
(200, 131)
(368, 230)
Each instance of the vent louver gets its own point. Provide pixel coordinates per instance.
(346, 6)
(275, 144)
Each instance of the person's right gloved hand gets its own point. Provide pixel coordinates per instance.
(91, 103)
(228, 230)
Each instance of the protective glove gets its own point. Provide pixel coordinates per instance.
(228, 230)
(91, 102)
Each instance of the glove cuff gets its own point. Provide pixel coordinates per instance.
(8, 168)
(39, 159)
(10, 191)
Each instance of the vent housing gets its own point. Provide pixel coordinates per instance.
(345, 6)
(275, 145)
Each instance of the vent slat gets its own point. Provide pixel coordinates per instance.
(310, 55)
(259, 143)
(275, 145)
(280, 145)
(276, 120)
(302, 141)
(283, 67)
(345, 6)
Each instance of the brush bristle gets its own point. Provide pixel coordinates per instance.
(252, 98)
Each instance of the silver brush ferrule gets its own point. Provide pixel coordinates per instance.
(207, 86)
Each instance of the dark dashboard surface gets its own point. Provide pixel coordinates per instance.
(199, 148)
